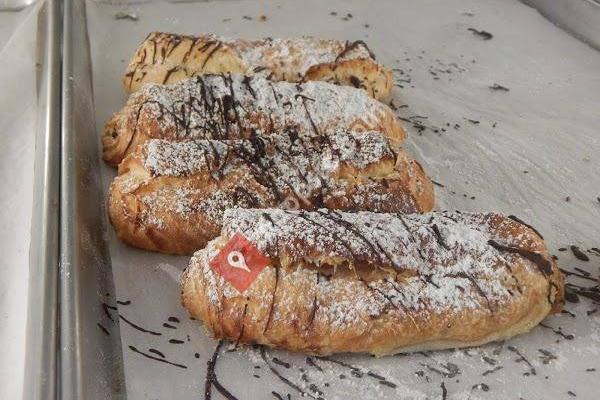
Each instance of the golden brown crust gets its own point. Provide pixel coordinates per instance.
(374, 78)
(377, 283)
(232, 107)
(169, 197)
(169, 58)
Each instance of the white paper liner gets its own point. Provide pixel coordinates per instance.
(523, 152)
(18, 106)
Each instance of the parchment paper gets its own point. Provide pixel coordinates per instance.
(531, 150)
(18, 105)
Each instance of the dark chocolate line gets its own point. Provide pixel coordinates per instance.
(282, 363)
(357, 372)
(283, 378)
(580, 255)
(157, 352)
(491, 371)
(351, 46)
(519, 220)
(438, 237)
(310, 361)
(105, 308)
(558, 332)
(272, 301)
(168, 74)
(532, 370)
(475, 285)
(139, 328)
(211, 377)
(211, 53)
(132, 348)
(103, 329)
(543, 264)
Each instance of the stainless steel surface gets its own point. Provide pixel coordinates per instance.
(91, 361)
(42, 332)
(91, 364)
(14, 5)
(579, 17)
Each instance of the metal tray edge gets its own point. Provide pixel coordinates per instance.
(91, 365)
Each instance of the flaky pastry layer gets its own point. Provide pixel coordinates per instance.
(237, 106)
(170, 196)
(377, 283)
(169, 58)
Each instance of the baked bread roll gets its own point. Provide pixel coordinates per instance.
(170, 196)
(235, 106)
(369, 282)
(168, 58)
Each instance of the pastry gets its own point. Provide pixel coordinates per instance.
(170, 196)
(368, 282)
(236, 106)
(169, 58)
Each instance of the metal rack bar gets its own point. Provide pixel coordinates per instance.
(42, 328)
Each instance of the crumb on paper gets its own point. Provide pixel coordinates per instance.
(496, 86)
(481, 34)
(125, 15)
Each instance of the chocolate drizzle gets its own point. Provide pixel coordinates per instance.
(217, 46)
(359, 373)
(580, 255)
(524, 359)
(516, 219)
(168, 74)
(139, 328)
(349, 46)
(283, 378)
(151, 357)
(211, 377)
(543, 264)
(106, 307)
(232, 107)
(103, 329)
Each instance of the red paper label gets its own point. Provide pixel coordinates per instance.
(239, 262)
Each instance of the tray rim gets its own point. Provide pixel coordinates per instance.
(72, 387)
(91, 364)
(40, 370)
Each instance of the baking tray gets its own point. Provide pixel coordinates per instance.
(41, 343)
(90, 355)
(530, 150)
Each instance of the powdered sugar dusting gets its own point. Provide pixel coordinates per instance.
(181, 158)
(294, 154)
(424, 265)
(293, 57)
(442, 267)
(287, 170)
(234, 106)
